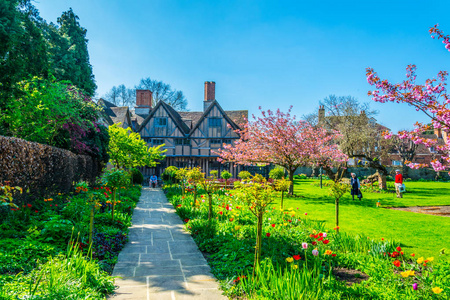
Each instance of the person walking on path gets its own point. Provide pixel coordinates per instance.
(398, 183)
(354, 183)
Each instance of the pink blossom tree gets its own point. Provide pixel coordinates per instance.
(431, 98)
(278, 138)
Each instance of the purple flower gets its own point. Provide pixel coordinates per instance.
(414, 286)
(315, 252)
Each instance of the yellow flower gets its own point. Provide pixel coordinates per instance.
(430, 258)
(295, 267)
(285, 224)
(290, 208)
(314, 231)
(289, 259)
(437, 290)
(236, 228)
(420, 260)
(408, 273)
(328, 252)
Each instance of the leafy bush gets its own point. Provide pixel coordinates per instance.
(136, 176)
(57, 231)
(244, 175)
(22, 255)
(276, 173)
(169, 175)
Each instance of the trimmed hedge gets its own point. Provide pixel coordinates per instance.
(43, 170)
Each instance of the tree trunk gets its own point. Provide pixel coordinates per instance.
(291, 178)
(113, 204)
(258, 242)
(210, 211)
(382, 181)
(91, 225)
(337, 214)
(194, 204)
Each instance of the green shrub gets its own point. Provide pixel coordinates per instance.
(244, 175)
(276, 173)
(136, 176)
(22, 255)
(57, 231)
(169, 175)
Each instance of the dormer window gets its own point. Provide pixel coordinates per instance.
(215, 122)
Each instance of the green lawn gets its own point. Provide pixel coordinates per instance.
(417, 233)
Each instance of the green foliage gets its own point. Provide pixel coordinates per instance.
(214, 173)
(226, 175)
(115, 178)
(244, 175)
(69, 276)
(136, 176)
(128, 150)
(22, 255)
(169, 176)
(69, 57)
(56, 114)
(277, 173)
(56, 231)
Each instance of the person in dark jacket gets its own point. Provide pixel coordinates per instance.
(355, 187)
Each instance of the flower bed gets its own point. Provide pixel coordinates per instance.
(44, 245)
(301, 258)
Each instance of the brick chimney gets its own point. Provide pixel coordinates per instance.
(143, 102)
(210, 93)
(438, 132)
(321, 114)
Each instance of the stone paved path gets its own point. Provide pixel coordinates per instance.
(161, 260)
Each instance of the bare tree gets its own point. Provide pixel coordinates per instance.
(164, 92)
(360, 135)
(406, 149)
(113, 95)
(121, 95)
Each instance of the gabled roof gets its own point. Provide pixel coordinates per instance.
(208, 110)
(114, 113)
(139, 118)
(120, 114)
(176, 118)
(238, 116)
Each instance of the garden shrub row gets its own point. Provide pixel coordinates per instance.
(43, 170)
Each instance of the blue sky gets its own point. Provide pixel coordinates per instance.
(262, 53)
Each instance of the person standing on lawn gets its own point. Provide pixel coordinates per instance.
(398, 183)
(354, 183)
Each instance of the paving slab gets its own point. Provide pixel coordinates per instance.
(161, 260)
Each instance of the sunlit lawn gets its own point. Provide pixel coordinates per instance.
(418, 233)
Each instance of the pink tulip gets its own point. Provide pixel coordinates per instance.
(315, 252)
(305, 245)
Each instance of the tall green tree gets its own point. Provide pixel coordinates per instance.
(69, 56)
(128, 150)
(23, 49)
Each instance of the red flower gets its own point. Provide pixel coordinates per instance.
(314, 243)
(186, 220)
(321, 234)
(51, 205)
(398, 248)
(29, 205)
(220, 212)
(326, 242)
(36, 211)
(290, 221)
(179, 205)
(401, 252)
(320, 239)
(412, 254)
(268, 234)
(56, 204)
(395, 254)
(397, 263)
(273, 225)
(334, 254)
(296, 257)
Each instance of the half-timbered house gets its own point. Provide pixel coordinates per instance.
(191, 138)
